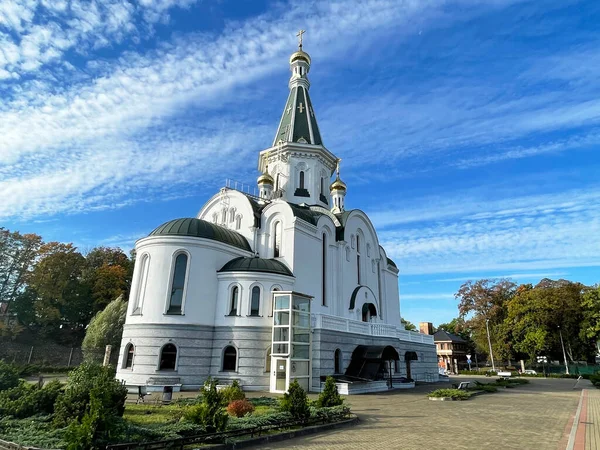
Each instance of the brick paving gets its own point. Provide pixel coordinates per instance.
(532, 417)
(592, 422)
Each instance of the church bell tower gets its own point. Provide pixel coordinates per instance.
(298, 162)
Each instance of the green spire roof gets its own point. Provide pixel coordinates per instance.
(298, 122)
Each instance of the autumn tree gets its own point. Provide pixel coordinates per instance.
(108, 273)
(486, 301)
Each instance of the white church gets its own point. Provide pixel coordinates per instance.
(289, 284)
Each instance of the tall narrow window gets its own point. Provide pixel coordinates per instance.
(129, 351)
(255, 301)
(301, 186)
(238, 222)
(235, 295)
(268, 360)
(277, 240)
(229, 359)
(322, 186)
(358, 258)
(337, 358)
(141, 288)
(277, 181)
(324, 271)
(177, 285)
(168, 357)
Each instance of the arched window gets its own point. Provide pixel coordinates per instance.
(229, 359)
(224, 215)
(232, 214)
(301, 182)
(255, 301)
(235, 295)
(338, 362)
(168, 357)
(141, 288)
(358, 258)
(268, 360)
(277, 240)
(178, 284)
(128, 356)
(322, 186)
(238, 222)
(273, 289)
(277, 181)
(324, 271)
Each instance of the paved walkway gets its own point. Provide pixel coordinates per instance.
(532, 417)
(585, 425)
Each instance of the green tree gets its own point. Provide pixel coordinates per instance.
(330, 395)
(105, 328)
(295, 401)
(210, 412)
(63, 298)
(408, 325)
(18, 253)
(590, 327)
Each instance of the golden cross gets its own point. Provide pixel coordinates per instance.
(300, 33)
(337, 168)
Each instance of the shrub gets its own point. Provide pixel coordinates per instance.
(484, 387)
(240, 408)
(105, 328)
(99, 426)
(210, 412)
(331, 414)
(454, 394)
(264, 401)
(74, 403)
(330, 395)
(27, 400)
(9, 376)
(295, 401)
(34, 431)
(232, 393)
(274, 418)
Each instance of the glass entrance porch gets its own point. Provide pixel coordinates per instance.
(291, 343)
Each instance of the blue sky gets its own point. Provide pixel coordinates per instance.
(468, 129)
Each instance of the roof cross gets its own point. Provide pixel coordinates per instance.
(299, 34)
(301, 108)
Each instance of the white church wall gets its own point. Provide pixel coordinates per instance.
(245, 281)
(205, 257)
(219, 208)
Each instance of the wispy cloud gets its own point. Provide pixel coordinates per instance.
(474, 236)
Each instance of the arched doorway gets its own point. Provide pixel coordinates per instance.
(408, 357)
(369, 311)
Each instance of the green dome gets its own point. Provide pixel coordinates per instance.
(249, 264)
(202, 229)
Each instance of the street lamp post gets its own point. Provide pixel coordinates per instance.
(487, 327)
(563, 350)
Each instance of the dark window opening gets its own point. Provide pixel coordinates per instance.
(338, 361)
(178, 284)
(324, 271)
(168, 356)
(255, 301)
(235, 292)
(129, 351)
(301, 185)
(229, 359)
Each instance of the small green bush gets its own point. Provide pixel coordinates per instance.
(330, 414)
(74, 403)
(9, 376)
(210, 412)
(240, 408)
(330, 395)
(264, 401)
(232, 393)
(252, 421)
(295, 401)
(27, 400)
(455, 394)
(36, 431)
(484, 387)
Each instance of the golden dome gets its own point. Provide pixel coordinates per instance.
(337, 185)
(265, 178)
(300, 54)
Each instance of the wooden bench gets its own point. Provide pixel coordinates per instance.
(505, 375)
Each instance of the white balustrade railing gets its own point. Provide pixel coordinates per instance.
(326, 322)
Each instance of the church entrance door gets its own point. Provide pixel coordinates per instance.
(280, 375)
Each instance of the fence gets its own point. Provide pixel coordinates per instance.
(47, 354)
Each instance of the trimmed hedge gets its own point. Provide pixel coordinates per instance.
(454, 394)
